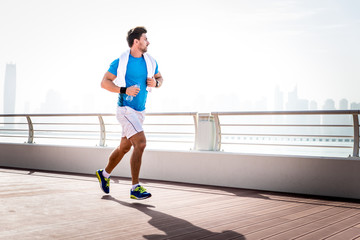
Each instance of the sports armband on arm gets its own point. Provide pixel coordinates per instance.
(122, 89)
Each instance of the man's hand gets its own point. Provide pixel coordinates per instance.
(133, 90)
(151, 82)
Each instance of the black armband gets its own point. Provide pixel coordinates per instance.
(123, 90)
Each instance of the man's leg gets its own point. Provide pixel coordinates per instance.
(114, 159)
(139, 143)
(118, 154)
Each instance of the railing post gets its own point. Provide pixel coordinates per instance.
(196, 124)
(217, 132)
(102, 131)
(205, 139)
(356, 135)
(31, 130)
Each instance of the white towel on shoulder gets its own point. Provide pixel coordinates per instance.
(123, 61)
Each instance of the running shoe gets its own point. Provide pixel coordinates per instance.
(104, 182)
(139, 193)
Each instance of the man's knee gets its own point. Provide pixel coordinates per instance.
(140, 145)
(124, 149)
(139, 142)
(124, 146)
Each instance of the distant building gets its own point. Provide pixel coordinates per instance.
(313, 119)
(53, 103)
(297, 104)
(329, 119)
(279, 99)
(313, 105)
(343, 104)
(329, 105)
(355, 106)
(294, 103)
(336, 119)
(10, 91)
(10, 88)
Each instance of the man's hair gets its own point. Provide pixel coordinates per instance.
(135, 33)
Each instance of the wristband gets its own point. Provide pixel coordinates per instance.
(123, 90)
(157, 83)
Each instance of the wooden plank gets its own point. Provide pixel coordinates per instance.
(290, 225)
(307, 212)
(336, 227)
(313, 226)
(350, 233)
(269, 229)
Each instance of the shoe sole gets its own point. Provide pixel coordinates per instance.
(136, 198)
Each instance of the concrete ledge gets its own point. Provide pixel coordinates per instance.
(335, 177)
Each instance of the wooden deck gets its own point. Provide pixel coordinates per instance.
(45, 205)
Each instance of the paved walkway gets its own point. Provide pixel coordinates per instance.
(44, 205)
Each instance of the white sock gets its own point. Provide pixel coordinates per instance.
(105, 174)
(135, 186)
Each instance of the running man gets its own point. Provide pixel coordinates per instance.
(132, 75)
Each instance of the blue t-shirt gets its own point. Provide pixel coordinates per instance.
(136, 73)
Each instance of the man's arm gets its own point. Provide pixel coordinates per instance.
(108, 84)
(159, 78)
(151, 82)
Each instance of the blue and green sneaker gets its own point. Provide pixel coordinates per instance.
(139, 193)
(104, 182)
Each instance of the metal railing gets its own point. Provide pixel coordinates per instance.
(85, 127)
(354, 125)
(271, 129)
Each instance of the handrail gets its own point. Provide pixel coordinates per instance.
(218, 128)
(353, 113)
(307, 112)
(102, 125)
(95, 114)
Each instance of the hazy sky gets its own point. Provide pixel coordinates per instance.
(212, 54)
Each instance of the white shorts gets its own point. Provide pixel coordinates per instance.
(130, 120)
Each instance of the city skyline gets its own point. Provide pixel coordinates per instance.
(225, 55)
(281, 101)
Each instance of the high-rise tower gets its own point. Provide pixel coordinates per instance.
(10, 91)
(10, 88)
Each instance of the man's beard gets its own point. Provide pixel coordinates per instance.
(143, 50)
